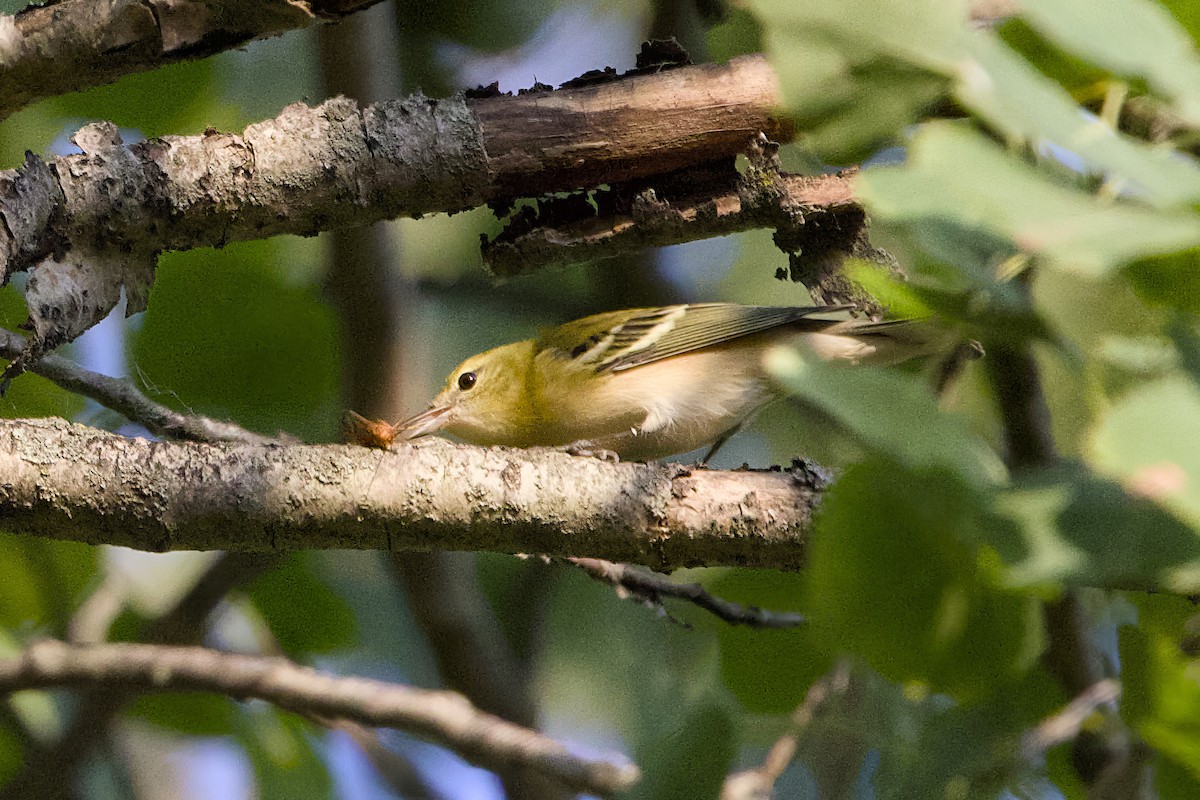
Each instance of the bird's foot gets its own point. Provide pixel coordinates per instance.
(589, 450)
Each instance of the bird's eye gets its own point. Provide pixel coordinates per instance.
(466, 380)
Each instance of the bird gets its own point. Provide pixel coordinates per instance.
(637, 384)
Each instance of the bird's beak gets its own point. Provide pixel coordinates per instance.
(429, 421)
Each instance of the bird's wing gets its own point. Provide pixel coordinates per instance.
(617, 341)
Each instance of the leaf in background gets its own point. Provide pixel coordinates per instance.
(230, 334)
(969, 751)
(895, 578)
(1171, 280)
(856, 72)
(33, 395)
(490, 25)
(769, 671)
(41, 580)
(282, 750)
(890, 413)
(1067, 525)
(1151, 440)
(1132, 38)
(136, 101)
(1074, 74)
(738, 34)
(956, 174)
(1161, 697)
(1007, 92)
(301, 611)
(691, 760)
(191, 713)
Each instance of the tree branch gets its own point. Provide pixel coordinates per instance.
(652, 588)
(53, 48)
(73, 482)
(444, 717)
(93, 223)
(335, 165)
(123, 397)
(555, 236)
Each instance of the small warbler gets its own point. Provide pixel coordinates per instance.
(642, 383)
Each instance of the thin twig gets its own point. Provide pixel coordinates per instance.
(1065, 725)
(445, 717)
(47, 773)
(652, 587)
(753, 784)
(124, 397)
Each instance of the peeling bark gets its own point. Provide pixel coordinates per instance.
(818, 202)
(72, 482)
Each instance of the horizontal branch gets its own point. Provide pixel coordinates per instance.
(58, 47)
(72, 482)
(90, 225)
(652, 588)
(335, 165)
(447, 718)
(821, 202)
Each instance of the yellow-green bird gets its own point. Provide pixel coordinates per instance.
(642, 383)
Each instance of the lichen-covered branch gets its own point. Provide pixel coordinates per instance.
(73, 482)
(337, 165)
(62, 46)
(445, 717)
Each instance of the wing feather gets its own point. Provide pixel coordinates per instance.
(617, 341)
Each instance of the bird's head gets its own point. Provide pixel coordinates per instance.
(484, 400)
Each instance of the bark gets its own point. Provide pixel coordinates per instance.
(64, 46)
(335, 165)
(655, 218)
(444, 717)
(73, 482)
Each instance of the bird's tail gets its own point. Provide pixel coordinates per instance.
(866, 342)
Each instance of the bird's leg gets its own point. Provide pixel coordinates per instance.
(721, 440)
(588, 449)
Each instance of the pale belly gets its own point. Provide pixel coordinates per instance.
(663, 408)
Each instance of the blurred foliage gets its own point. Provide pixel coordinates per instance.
(929, 564)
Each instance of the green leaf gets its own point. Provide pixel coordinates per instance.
(1161, 697)
(31, 395)
(1132, 38)
(854, 73)
(1067, 525)
(302, 612)
(970, 751)
(1012, 96)
(1171, 280)
(1149, 439)
(192, 713)
(281, 749)
(895, 578)
(692, 759)
(891, 413)
(769, 671)
(230, 333)
(956, 174)
(41, 581)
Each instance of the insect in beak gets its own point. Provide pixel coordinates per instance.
(357, 429)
